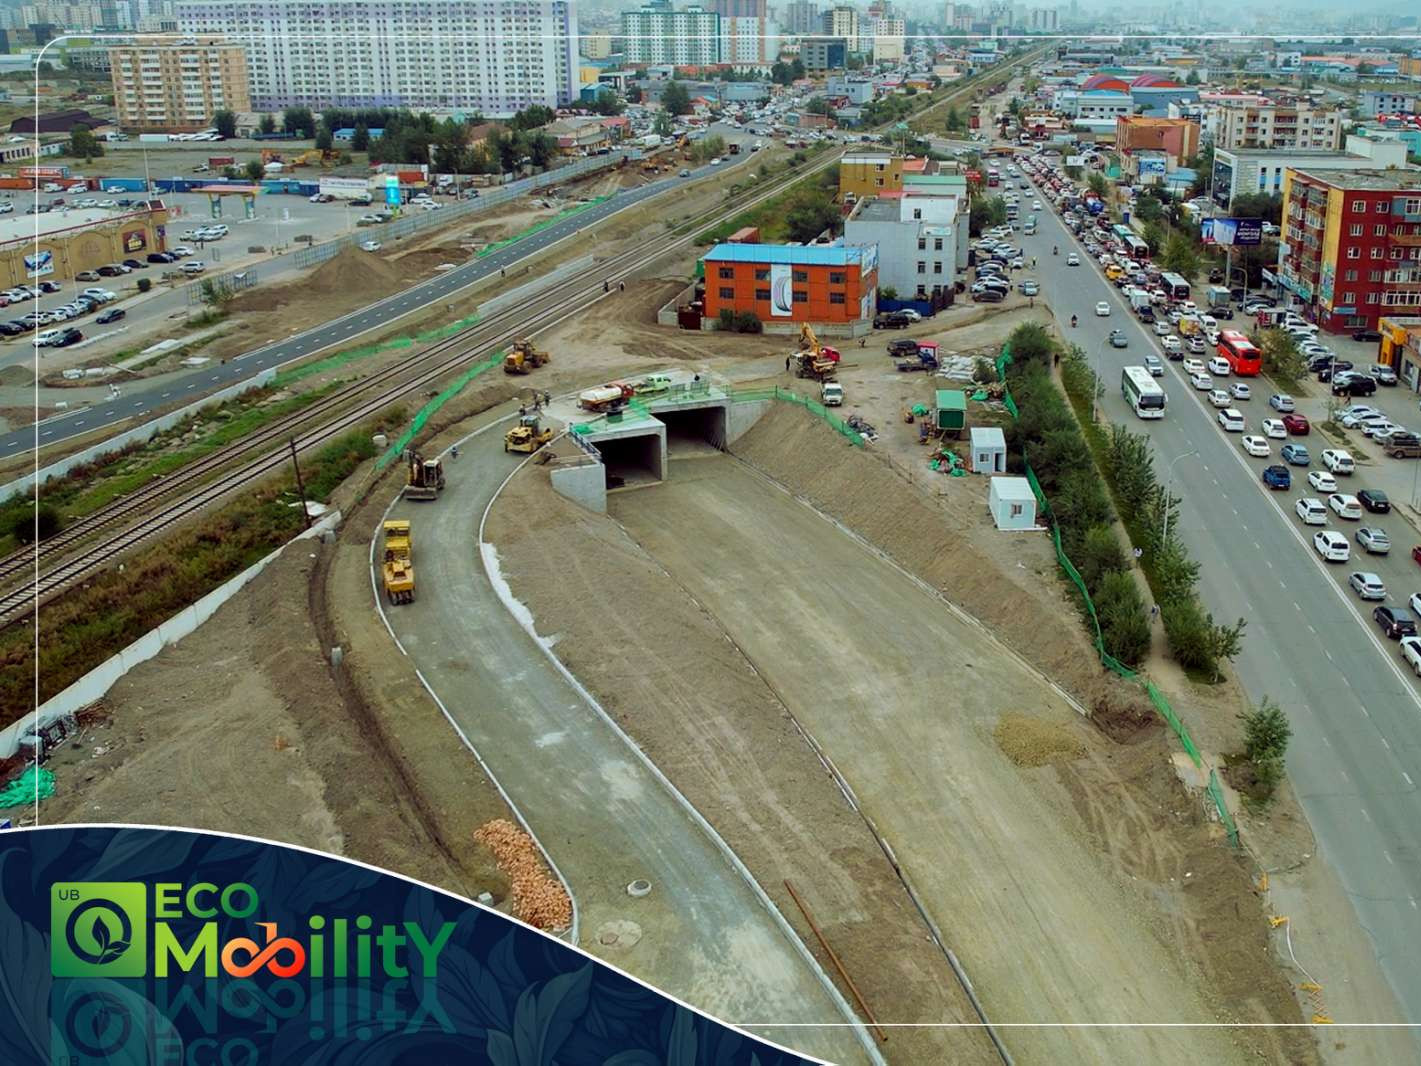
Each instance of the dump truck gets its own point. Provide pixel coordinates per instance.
(609, 397)
(424, 478)
(527, 436)
(524, 357)
(398, 567)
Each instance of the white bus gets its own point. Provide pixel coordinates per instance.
(1142, 392)
(1175, 287)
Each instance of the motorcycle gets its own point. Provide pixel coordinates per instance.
(1073, 321)
(1055, 250)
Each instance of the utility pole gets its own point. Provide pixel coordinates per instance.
(1168, 484)
(300, 488)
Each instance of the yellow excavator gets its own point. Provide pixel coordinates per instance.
(524, 357)
(424, 479)
(527, 436)
(398, 567)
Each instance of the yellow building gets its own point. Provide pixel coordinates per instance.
(178, 85)
(70, 242)
(868, 173)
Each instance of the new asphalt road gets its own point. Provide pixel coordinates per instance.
(137, 401)
(1355, 756)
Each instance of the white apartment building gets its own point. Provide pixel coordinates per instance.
(1270, 126)
(494, 56)
(750, 40)
(843, 22)
(888, 34)
(658, 34)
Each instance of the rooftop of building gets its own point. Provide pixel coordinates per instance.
(1377, 180)
(939, 179)
(877, 209)
(1145, 120)
(867, 158)
(26, 227)
(795, 254)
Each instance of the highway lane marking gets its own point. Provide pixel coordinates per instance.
(1387, 856)
(1365, 815)
(1408, 779)
(1386, 743)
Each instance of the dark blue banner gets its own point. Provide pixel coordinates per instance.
(178, 948)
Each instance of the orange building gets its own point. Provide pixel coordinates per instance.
(792, 283)
(1177, 138)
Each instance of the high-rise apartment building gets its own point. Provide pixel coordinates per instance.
(887, 41)
(597, 45)
(1270, 126)
(177, 86)
(657, 33)
(801, 17)
(843, 22)
(494, 56)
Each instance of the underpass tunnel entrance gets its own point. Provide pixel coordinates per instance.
(694, 431)
(633, 460)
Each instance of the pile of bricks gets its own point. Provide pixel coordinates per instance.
(538, 898)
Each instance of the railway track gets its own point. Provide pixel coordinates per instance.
(268, 447)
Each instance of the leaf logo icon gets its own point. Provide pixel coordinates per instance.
(109, 949)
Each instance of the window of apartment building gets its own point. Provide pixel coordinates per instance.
(727, 293)
(1359, 206)
(1349, 297)
(762, 294)
(726, 273)
(1379, 230)
(836, 297)
(917, 214)
(1354, 253)
(801, 297)
(1396, 253)
(1383, 207)
(1355, 230)
(922, 267)
(1350, 275)
(922, 292)
(937, 266)
(1411, 205)
(1374, 275)
(878, 183)
(801, 275)
(937, 244)
(836, 279)
(922, 244)
(1373, 297)
(762, 275)
(1377, 253)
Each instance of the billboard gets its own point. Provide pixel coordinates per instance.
(1152, 168)
(135, 240)
(392, 190)
(344, 188)
(1075, 161)
(781, 292)
(1231, 231)
(44, 173)
(39, 263)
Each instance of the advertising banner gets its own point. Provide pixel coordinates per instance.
(781, 291)
(1152, 168)
(135, 240)
(344, 188)
(44, 173)
(148, 945)
(39, 263)
(1075, 160)
(1232, 231)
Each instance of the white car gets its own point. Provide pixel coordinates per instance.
(1073, 260)
(1170, 344)
(45, 338)
(196, 266)
(911, 315)
(108, 205)
(1219, 365)
(1257, 446)
(1322, 481)
(369, 246)
(1281, 401)
(1232, 421)
(1239, 391)
(1311, 511)
(1352, 417)
(1345, 506)
(1194, 366)
(1102, 309)
(1219, 398)
(1411, 652)
(1202, 382)
(1378, 426)
(1338, 461)
(1161, 328)
(1332, 546)
(1367, 585)
(1273, 427)
(716, 161)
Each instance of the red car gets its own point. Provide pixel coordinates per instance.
(1416, 553)
(1296, 425)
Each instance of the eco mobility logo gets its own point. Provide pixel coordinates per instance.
(102, 929)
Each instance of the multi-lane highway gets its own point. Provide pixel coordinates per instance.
(138, 400)
(1355, 756)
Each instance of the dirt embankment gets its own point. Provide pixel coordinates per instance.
(662, 666)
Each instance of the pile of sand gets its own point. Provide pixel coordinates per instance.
(350, 272)
(1029, 741)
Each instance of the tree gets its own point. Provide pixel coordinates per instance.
(1193, 78)
(225, 123)
(533, 117)
(540, 148)
(267, 124)
(1031, 343)
(254, 170)
(1097, 184)
(986, 212)
(43, 520)
(299, 121)
(819, 106)
(1148, 209)
(675, 99)
(608, 103)
(1258, 205)
(324, 139)
(781, 73)
(360, 139)
(1281, 359)
(1266, 731)
(82, 142)
(954, 121)
(1180, 256)
(634, 95)
(662, 125)
(214, 295)
(811, 214)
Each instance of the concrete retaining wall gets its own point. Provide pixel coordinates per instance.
(103, 677)
(147, 431)
(585, 484)
(742, 416)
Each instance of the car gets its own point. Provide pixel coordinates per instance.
(1367, 335)
(1196, 346)
(1354, 416)
(1073, 260)
(134, 264)
(197, 266)
(109, 271)
(1162, 328)
(1295, 454)
(1257, 446)
(113, 314)
(1102, 309)
(45, 338)
(1366, 585)
(1339, 461)
(1354, 385)
(1396, 622)
(913, 316)
(1374, 539)
(1218, 398)
(684, 173)
(1154, 366)
(1202, 382)
(716, 161)
(86, 275)
(1193, 366)
(1273, 427)
(67, 336)
(101, 295)
(1118, 339)
(1030, 288)
(369, 246)
(1239, 391)
(1332, 546)
(1345, 506)
(1277, 477)
(1374, 500)
(1322, 481)
(1311, 511)
(989, 296)
(108, 205)
(1411, 652)
(891, 320)
(159, 257)
(1379, 426)
(1219, 365)
(1296, 425)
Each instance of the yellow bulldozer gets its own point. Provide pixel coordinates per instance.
(424, 478)
(527, 436)
(524, 357)
(398, 567)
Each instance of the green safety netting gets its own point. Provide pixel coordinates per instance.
(540, 226)
(1156, 697)
(340, 359)
(22, 790)
(812, 406)
(434, 405)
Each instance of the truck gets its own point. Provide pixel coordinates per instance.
(610, 397)
(650, 140)
(734, 148)
(831, 394)
(1138, 297)
(397, 568)
(1216, 296)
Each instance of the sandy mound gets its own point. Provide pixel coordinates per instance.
(1029, 741)
(349, 271)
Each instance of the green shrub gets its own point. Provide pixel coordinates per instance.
(28, 523)
(1124, 622)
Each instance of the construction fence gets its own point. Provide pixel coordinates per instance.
(428, 411)
(1156, 697)
(814, 407)
(340, 359)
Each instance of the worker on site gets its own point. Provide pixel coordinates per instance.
(454, 452)
(787, 358)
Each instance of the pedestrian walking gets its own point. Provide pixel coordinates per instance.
(1138, 552)
(622, 287)
(1154, 611)
(786, 364)
(863, 342)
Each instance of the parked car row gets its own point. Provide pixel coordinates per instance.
(84, 303)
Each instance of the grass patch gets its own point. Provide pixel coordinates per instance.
(771, 215)
(86, 626)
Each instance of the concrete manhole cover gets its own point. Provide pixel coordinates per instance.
(639, 888)
(618, 933)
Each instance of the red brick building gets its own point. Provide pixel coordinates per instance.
(792, 283)
(1351, 246)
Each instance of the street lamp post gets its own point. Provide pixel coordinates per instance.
(1169, 484)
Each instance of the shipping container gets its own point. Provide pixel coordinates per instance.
(221, 160)
(950, 410)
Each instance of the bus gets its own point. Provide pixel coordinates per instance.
(1137, 248)
(994, 176)
(1175, 287)
(1243, 358)
(1142, 392)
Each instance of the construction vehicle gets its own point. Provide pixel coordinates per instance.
(523, 357)
(814, 360)
(684, 147)
(923, 359)
(398, 567)
(808, 342)
(424, 478)
(610, 397)
(528, 436)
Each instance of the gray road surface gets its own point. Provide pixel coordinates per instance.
(1355, 756)
(597, 808)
